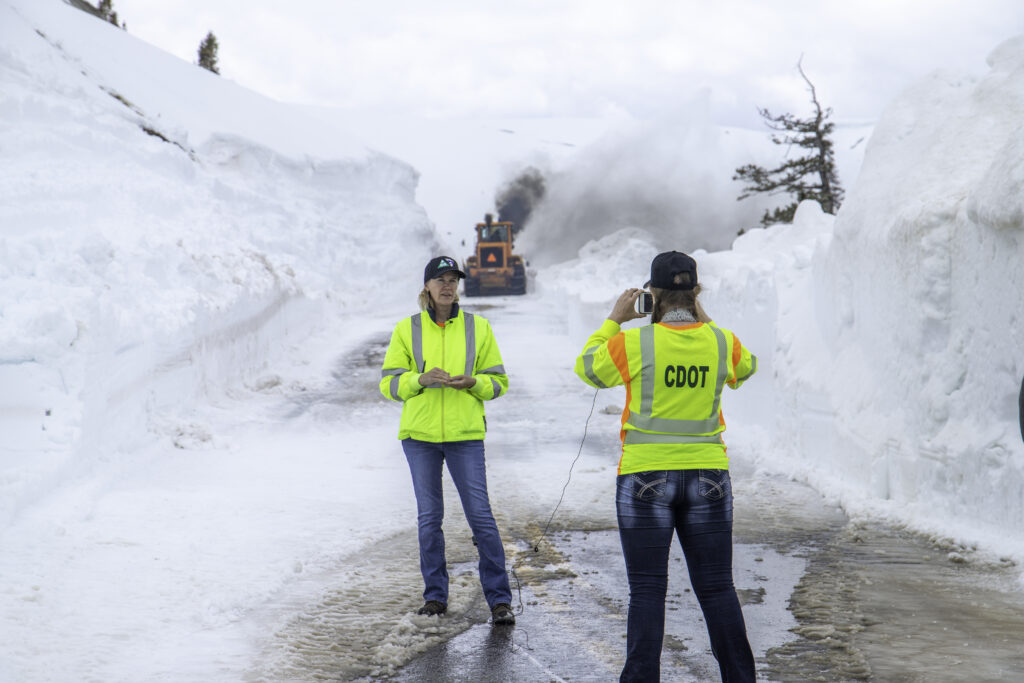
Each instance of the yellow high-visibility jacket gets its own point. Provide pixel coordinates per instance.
(464, 345)
(674, 375)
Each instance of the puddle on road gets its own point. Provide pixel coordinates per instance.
(572, 616)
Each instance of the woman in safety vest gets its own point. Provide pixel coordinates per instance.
(673, 473)
(443, 422)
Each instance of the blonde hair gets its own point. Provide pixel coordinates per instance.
(666, 300)
(424, 299)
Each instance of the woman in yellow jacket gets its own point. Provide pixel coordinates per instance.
(443, 422)
(673, 474)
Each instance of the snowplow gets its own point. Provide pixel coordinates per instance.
(493, 268)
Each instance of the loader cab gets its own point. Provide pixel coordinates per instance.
(494, 233)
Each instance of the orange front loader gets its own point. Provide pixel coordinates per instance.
(493, 268)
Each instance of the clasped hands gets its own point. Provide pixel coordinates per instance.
(439, 376)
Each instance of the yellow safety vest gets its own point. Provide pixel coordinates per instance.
(674, 376)
(465, 345)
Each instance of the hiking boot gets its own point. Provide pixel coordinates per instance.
(433, 608)
(501, 615)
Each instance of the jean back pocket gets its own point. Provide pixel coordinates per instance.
(648, 485)
(713, 484)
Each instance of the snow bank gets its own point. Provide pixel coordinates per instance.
(163, 231)
(889, 336)
(925, 310)
(894, 361)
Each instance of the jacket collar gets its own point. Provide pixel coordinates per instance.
(451, 316)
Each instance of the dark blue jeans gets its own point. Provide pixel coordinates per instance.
(466, 465)
(697, 505)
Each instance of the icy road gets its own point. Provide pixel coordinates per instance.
(824, 598)
(268, 535)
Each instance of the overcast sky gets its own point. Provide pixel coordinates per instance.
(558, 58)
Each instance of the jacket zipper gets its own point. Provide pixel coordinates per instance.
(443, 366)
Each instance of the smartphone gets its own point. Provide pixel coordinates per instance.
(644, 303)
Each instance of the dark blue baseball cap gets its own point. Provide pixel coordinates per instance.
(439, 265)
(667, 265)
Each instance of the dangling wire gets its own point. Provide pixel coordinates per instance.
(536, 546)
(544, 533)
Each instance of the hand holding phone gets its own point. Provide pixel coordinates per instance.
(627, 306)
(645, 303)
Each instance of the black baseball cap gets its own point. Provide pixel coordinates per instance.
(439, 265)
(667, 265)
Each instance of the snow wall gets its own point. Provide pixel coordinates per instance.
(896, 330)
(919, 303)
(163, 233)
(889, 337)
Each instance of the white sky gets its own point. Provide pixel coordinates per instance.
(457, 58)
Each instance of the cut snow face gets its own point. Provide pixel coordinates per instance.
(139, 235)
(917, 298)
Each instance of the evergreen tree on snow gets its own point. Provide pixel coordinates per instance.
(208, 53)
(106, 11)
(810, 176)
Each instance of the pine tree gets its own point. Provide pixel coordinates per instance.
(106, 10)
(208, 53)
(812, 176)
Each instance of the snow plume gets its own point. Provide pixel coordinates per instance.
(671, 177)
(516, 200)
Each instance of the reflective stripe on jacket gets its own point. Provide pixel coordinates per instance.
(674, 376)
(463, 346)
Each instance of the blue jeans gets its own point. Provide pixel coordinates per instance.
(697, 505)
(466, 465)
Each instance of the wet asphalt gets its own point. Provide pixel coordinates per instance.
(825, 598)
(870, 603)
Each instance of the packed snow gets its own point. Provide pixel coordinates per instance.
(196, 280)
